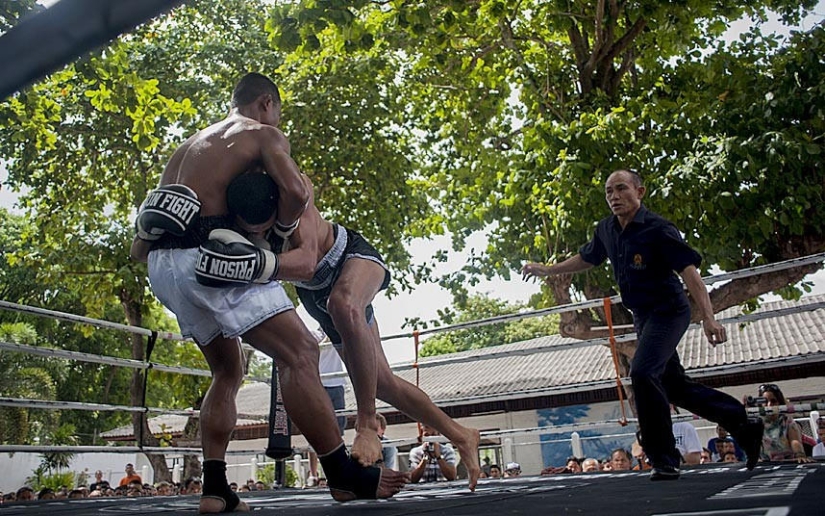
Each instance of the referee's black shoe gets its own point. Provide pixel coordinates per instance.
(750, 439)
(665, 472)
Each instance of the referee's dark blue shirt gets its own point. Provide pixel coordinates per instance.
(645, 256)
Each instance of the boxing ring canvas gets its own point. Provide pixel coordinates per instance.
(769, 490)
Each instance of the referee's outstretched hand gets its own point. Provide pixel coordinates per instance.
(714, 331)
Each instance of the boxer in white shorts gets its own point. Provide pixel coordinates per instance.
(205, 313)
(183, 232)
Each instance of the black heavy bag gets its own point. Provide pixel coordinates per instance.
(280, 434)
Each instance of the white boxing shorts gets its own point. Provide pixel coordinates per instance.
(204, 313)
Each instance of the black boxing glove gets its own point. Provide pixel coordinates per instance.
(168, 209)
(228, 259)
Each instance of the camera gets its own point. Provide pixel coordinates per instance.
(428, 447)
(756, 402)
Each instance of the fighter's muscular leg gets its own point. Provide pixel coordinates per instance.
(285, 338)
(217, 419)
(355, 288)
(415, 403)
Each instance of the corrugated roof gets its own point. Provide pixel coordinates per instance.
(513, 370)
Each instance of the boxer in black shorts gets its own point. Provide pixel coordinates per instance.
(346, 274)
(183, 233)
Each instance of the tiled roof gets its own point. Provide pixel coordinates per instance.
(511, 368)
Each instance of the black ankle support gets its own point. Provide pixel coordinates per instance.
(346, 474)
(215, 484)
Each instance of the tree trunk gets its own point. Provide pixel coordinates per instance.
(140, 424)
(191, 438)
(590, 324)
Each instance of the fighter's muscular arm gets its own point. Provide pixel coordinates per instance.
(298, 264)
(140, 248)
(275, 156)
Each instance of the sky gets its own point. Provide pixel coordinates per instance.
(425, 300)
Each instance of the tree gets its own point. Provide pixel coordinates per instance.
(492, 114)
(12, 10)
(28, 378)
(528, 106)
(90, 140)
(483, 307)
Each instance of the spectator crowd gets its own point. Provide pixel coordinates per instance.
(433, 461)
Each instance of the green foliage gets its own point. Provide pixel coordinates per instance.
(51, 471)
(85, 144)
(292, 479)
(266, 474)
(18, 282)
(484, 307)
(12, 10)
(55, 461)
(27, 377)
(41, 479)
(259, 368)
(524, 108)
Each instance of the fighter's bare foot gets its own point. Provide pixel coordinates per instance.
(468, 448)
(216, 504)
(368, 483)
(366, 447)
(391, 482)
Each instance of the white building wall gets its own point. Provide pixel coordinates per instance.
(17, 467)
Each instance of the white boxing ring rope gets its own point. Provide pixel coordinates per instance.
(101, 359)
(595, 303)
(430, 363)
(85, 357)
(627, 337)
(62, 316)
(797, 408)
(601, 341)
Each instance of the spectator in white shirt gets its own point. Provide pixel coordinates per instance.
(819, 449)
(687, 441)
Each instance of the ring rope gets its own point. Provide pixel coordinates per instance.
(606, 384)
(628, 337)
(84, 357)
(88, 320)
(149, 450)
(708, 280)
(563, 389)
(431, 363)
(102, 407)
(100, 359)
(124, 362)
(742, 273)
(763, 269)
(525, 393)
(619, 388)
(797, 408)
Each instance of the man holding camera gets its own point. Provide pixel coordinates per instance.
(432, 461)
